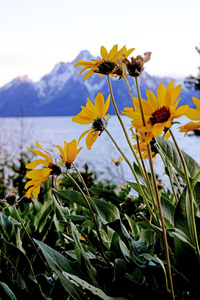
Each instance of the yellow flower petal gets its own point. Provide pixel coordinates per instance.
(104, 53)
(91, 138)
(37, 162)
(193, 114)
(196, 102)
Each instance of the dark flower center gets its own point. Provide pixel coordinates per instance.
(99, 124)
(55, 169)
(106, 67)
(161, 115)
(10, 199)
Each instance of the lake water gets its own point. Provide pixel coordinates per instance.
(17, 133)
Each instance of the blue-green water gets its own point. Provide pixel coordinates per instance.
(17, 133)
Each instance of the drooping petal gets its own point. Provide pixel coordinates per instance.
(83, 134)
(193, 114)
(91, 138)
(38, 173)
(37, 162)
(40, 154)
(196, 102)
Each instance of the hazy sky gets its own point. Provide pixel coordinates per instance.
(37, 34)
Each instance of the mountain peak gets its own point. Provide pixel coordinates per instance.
(84, 55)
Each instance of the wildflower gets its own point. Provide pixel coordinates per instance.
(143, 147)
(192, 114)
(136, 65)
(69, 152)
(107, 64)
(159, 112)
(38, 176)
(94, 114)
(117, 163)
(11, 198)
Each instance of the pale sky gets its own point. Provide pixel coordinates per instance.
(37, 34)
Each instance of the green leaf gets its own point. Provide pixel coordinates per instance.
(168, 210)
(21, 265)
(85, 285)
(76, 217)
(59, 264)
(181, 235)
(107, 211)
(6, 293)
(169, 150)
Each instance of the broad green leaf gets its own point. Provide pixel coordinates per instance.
(168, 210)
(21, 265)
(76, 217)
(180, 234)
(6, 293)
(59, 264)
(91, 272)
(85, 285)
(107, 211)
(169, 150)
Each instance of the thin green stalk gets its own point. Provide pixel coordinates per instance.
(192, 215)
(130, 93)
(122, 125)
(92, 214)
(164, 235)
(82, 180)
(145, 174)
(134, 173)
(167, 165)
(32, 242)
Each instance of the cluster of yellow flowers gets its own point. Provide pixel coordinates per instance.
(156, 115)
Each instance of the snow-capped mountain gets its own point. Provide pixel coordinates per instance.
(63, 91)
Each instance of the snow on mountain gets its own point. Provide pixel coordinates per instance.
(63, 91)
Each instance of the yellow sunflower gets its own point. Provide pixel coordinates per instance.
(69, 152)
(94, 114)
(159, 112)
(192, 114)
(38, 176)
(107, 64)
(143, 148)
(118, 162)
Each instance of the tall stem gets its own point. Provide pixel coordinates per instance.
(92, 214)
(164, 235)
(82, 180)
(122, 124)
(134, 173)
(193, 229)
(146, 177)
(32, 242)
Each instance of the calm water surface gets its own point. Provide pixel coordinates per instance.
(17, 133)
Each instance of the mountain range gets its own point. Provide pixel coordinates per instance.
(63, 91)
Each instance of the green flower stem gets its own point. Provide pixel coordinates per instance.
(82, 180)
(120, 183)
(31, 240)
(130, 93)
(142, 169)
(92, 214)
(145, 175)
(134, 174)
(177, 182)
(167, 165)
(53, 187)
(122, 125)
(164, 235)
(193, 229)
